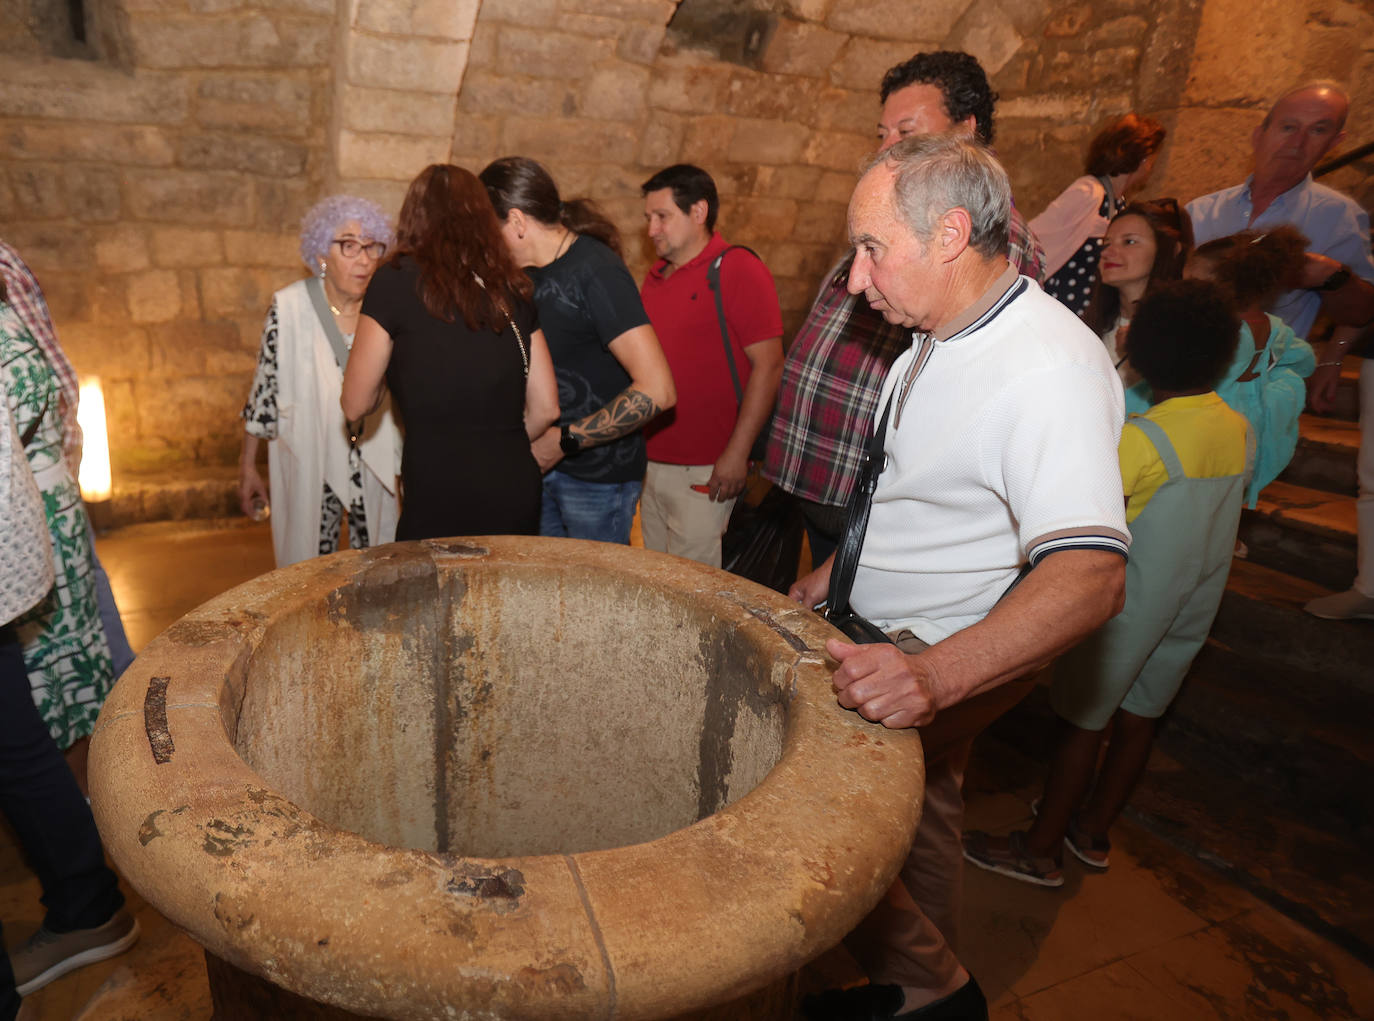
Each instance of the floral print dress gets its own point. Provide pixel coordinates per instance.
(65, 652)
(259, 416)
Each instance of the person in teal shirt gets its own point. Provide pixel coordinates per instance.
(1265, 381)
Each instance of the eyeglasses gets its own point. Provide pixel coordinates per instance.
(349, 247)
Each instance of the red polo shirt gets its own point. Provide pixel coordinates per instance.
(682, 309)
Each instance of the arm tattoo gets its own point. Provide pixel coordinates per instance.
(625, 413)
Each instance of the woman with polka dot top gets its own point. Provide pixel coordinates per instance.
(1071, 228)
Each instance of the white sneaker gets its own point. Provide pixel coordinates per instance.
(1350, 605)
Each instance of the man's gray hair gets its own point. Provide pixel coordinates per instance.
(937, 173)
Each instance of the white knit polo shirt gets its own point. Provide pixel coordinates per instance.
(1005, 451)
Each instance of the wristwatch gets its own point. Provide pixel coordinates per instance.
(567, 442)
(1336, 280)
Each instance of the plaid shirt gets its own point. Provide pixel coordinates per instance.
(26, 298)
(832, 376)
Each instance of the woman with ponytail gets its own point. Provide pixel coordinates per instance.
(612, 374)
(448, 326)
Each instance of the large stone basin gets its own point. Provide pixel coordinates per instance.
(502, 778)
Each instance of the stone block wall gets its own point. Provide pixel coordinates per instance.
(1223, 97)
(157, 189)
(156, 194)
(604, 92)
(399, 67)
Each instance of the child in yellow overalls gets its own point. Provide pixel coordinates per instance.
(1184, 465)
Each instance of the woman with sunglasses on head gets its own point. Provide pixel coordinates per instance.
(449, 328)
(1146, 244)
(319, 476)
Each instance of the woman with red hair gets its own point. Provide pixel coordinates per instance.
(447, 324)
(1120, 158)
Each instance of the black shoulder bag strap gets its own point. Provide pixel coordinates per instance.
(852, 539)
(315, 286)
(856, 519)
(713, 281)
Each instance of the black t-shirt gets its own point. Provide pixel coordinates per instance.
(466, 462)
(586, 298)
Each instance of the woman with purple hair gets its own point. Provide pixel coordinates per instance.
(320, 474)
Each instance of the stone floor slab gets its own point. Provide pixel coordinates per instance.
(1259, 966)
(1027, 938)
(1115, 991)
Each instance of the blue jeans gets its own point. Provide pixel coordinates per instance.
(39, 797)
(121, 655)
(576, 509)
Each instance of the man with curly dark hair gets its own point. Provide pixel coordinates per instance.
(959, 79)
(837, 361)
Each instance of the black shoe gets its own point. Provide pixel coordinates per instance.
(881, 1003)
(862, 1003)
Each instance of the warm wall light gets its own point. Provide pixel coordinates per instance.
(95, 451)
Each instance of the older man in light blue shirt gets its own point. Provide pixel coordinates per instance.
(1339, 277)
(1297, 132)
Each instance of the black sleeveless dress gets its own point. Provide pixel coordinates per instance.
(1072, 283)
(466, 465)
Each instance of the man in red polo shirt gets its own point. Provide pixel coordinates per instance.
(699, 451)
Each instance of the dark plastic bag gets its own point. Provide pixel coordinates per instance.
(763, 540)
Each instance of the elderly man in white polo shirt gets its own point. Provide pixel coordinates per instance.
(1000, 453)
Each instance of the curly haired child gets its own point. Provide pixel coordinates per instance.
(1265, 380)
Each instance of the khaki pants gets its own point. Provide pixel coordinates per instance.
(677, 519)
(909, 938)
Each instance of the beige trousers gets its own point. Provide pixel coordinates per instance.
(909, 939)
(677, 519)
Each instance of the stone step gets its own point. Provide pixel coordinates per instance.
(196, 491)
(1261, 618)
(1347, 403)
(1308, 533)
(1325, 458)
(1262, 767)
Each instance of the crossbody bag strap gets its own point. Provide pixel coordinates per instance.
(315, 287)
(856, 518)
(713, 281)
(519, 337)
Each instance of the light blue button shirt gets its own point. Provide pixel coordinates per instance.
(1335, 225)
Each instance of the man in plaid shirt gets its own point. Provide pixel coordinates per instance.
(837, 362)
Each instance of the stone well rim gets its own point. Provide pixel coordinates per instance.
(210, 843)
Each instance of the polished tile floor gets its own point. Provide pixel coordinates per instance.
(1159, 936)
